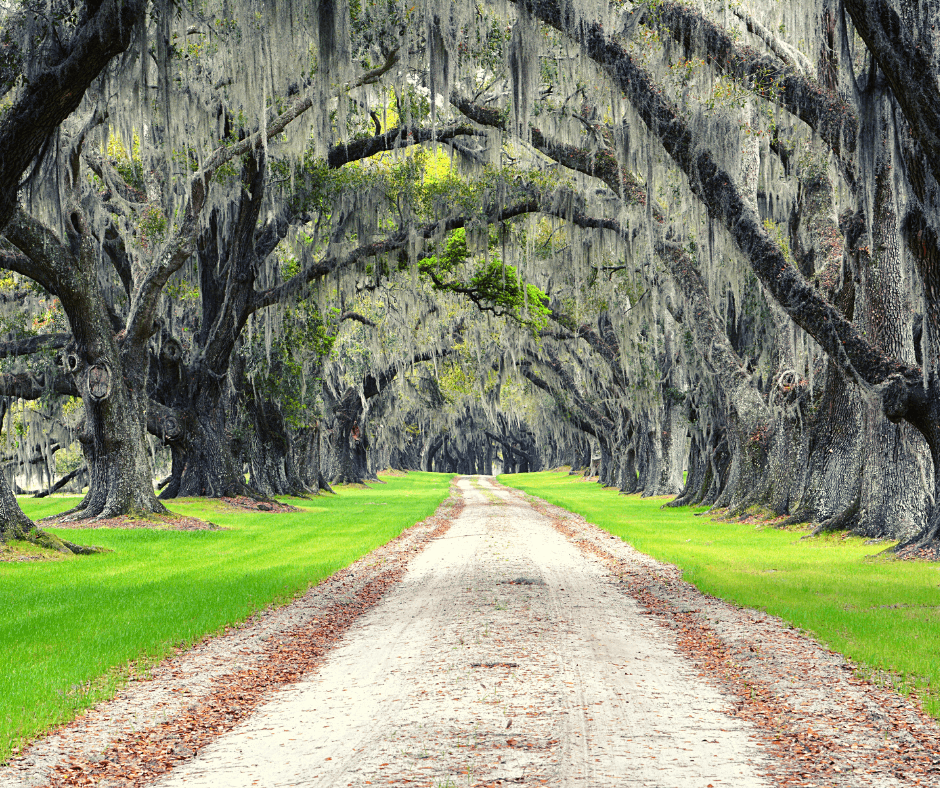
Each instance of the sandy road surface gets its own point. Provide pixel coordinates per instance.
(504, 656)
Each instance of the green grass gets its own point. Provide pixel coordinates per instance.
(73, 630)
(882, 613)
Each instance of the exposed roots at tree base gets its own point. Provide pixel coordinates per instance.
(97, 506)
(924, 548)
(80, 514)
(249, 504)
(350, 480)
(799, 517)
(844, 521)
(40, 538)
(675, 503)
(139, 520)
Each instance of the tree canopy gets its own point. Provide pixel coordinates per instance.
(693, 247)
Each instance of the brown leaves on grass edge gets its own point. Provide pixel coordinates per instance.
(803, 756)
(156, 522)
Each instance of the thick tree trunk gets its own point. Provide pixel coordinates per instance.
(114, 438)
(582, 456)
(660, 473)
(17, 527)
(348, 443)
(717, 465)
(645, 461)
(343, 446)
(205, 461)
(894, 490)
(270, 459)
(834, 460)
(865, 473)
(433, 448)
(606, 474)
(528, 458)
(673, 448)
(113, 435)
(362, 455)
(309, 460)
(628, 477)
(748, 463)
(785, 478)
(110, 375)
(696, 474)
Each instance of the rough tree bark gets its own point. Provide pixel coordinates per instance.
(110, 373)
(901, 388)
(103, 30)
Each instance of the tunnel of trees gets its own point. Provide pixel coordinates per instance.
(255, 248)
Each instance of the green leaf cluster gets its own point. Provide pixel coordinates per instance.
(495, 286)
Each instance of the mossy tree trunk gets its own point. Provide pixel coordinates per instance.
(15, 526)
(109, 370)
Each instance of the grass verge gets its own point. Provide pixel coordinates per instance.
(881, 613)
(75, 629)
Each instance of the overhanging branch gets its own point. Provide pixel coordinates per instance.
(857, 358)
(30, 345)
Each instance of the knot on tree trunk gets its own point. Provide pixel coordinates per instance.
(99, 381)
(71, 362)
(172, 429)
(171, 351)
(895, 398)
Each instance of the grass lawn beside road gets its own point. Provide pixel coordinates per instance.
(71, 628)
(879, 612)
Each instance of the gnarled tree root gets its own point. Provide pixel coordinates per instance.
(803, 514)
(843, 521)
(41, 538)
(926, 545)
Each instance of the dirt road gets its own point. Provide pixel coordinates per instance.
(503, 655)
(503, 642)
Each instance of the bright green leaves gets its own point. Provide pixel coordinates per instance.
(455, 253)
(495, 287)
(500, 285)
(127, 162)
